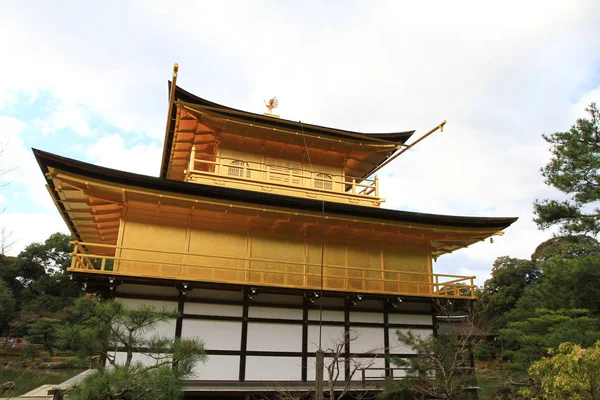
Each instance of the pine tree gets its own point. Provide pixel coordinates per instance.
(574, 170)
(108, 328)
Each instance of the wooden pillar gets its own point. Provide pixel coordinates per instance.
(244, 338)
(319, 370)
(180, 307)
(386, 337)
(347, 306)
(305, 341)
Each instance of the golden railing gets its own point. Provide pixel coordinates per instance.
(130, 261)
(281, 175)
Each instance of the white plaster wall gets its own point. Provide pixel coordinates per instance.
(366, 317)
(215, 294)
(273, 368)
(410, 319)
(218, 335)
(331, 335)
(368, 340)
(397, 347)
(313, 315)
(147, 290)
(369, 363)
(159, 304)
(218, 368)
(274, 337)
(212, 309)
(272, 312)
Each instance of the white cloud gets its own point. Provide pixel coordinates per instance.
(19, 159)
(26, 228)
(24, 175)
(70, 116)
(111, 151)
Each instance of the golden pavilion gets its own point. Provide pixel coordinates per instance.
(265, 234)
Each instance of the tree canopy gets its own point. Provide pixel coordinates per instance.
(569, 372)
(7, 305)
(571, 246)
(36, 282)
(528, 340)
(574, 170)
(500, 294)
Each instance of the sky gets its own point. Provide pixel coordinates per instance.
(88, 80)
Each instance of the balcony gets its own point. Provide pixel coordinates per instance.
(282, 177)
(115, 261)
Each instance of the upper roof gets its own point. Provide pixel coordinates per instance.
(390, 141)
(93, 179)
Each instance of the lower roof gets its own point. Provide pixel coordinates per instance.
(47, 160)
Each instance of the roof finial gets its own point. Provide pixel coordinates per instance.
(271, 104)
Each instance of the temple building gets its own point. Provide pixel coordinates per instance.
(268, 236)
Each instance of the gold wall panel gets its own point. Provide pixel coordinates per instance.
(148, 236)
(274, 257)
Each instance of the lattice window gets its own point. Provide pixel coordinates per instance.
(280, 171)
(237, 169)
(323, 181)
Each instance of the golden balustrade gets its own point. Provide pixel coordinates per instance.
(270, 174)
(137, 262)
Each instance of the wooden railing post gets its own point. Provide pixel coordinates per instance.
(472, 288)
(73, 255)
(363, 378)
(376, 183)
(353, 185)
(192, 165)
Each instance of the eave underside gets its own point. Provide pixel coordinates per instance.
(93, 199)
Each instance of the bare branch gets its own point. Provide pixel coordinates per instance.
(6, 241)
(441, 367)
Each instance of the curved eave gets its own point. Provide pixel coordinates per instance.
(393, 138)
(46, 160)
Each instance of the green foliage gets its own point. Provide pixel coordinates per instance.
(50, 293)
(396, 390)
(9, 273)
(570, 372)
(7, 305)
(38, 283)
(510, 278)
(31, 352)
(564, 283)
(528, 340)
(134, 382)
(566, 247)
(105, 327)
(49, 257)
(574, 170)
(44, 332)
